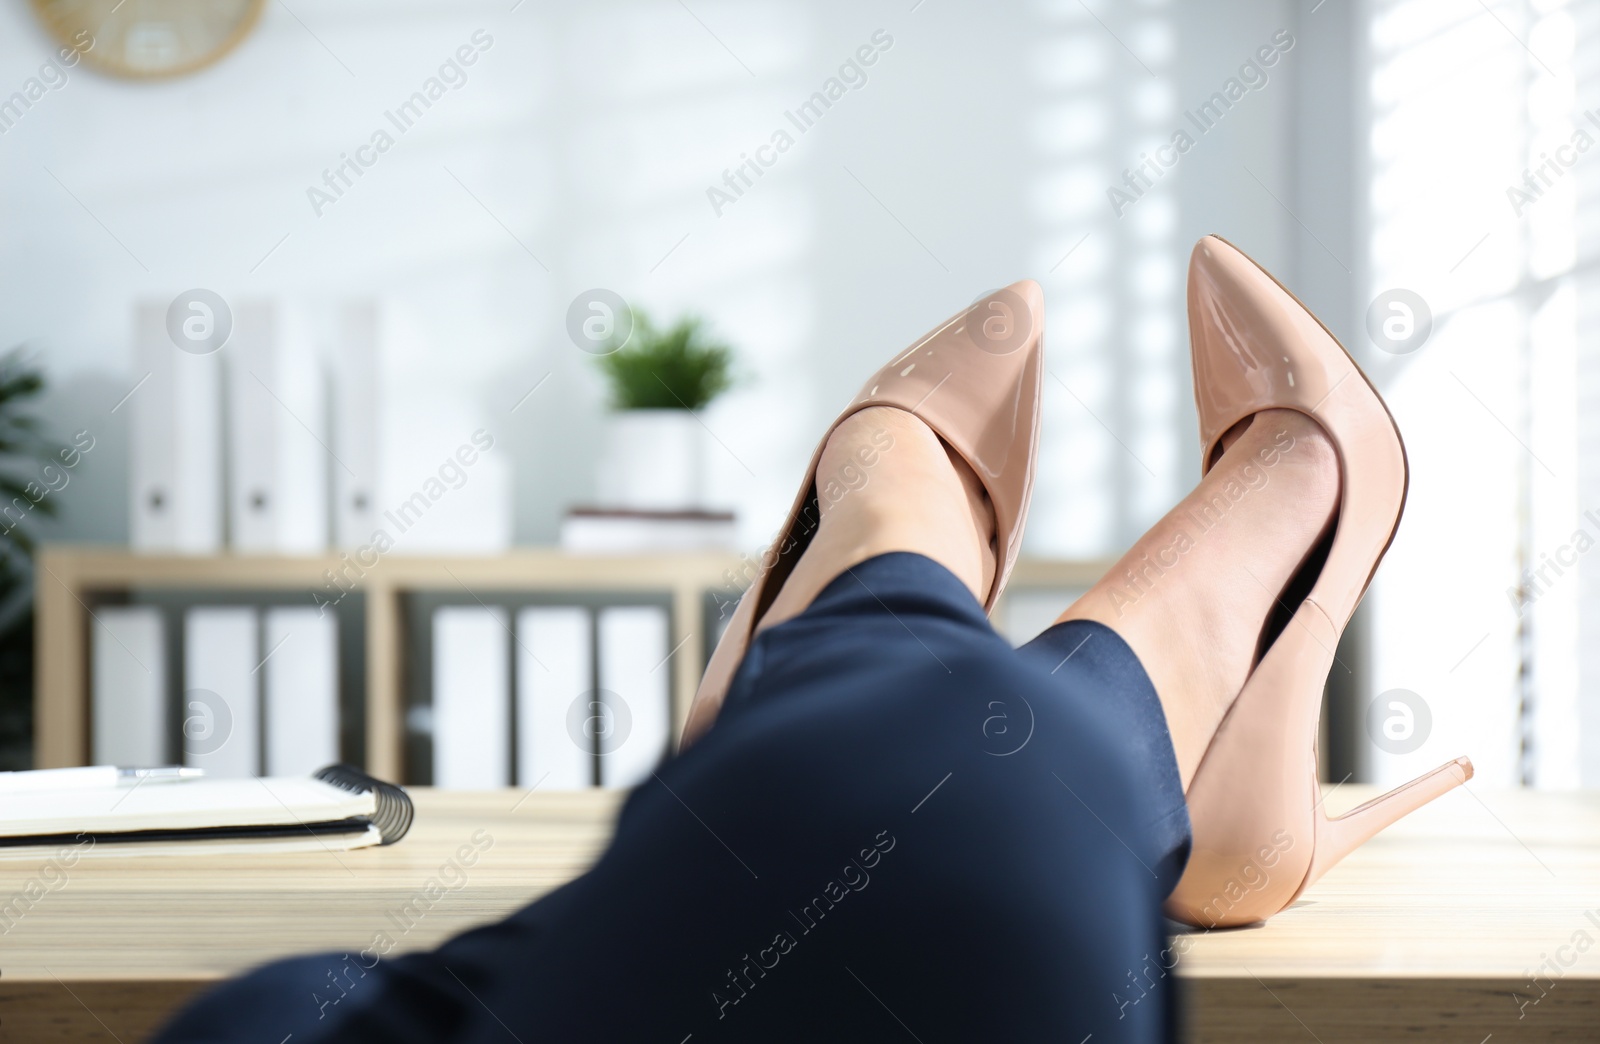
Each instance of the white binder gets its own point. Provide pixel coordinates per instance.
(175, 441)
(634, 684)
(300, 684)
(128, 686)
(416, 457)
(354, 356)
(554, 676)
(471, 698)
(221, 704)
(277, 433)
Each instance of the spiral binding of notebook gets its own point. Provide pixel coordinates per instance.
(394, 811)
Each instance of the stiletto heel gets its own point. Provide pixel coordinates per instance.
(975, 380)
(1338, 836)
(1260, 835)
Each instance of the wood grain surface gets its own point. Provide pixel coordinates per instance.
(1435, 931)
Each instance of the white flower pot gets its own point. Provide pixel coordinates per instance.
(652, 461)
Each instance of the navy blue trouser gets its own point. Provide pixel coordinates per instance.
(899, 828)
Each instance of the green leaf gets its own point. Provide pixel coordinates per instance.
(22, 441)
(679, 368)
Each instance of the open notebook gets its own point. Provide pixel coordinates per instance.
(337, 808)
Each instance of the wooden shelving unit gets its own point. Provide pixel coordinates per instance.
(70, 578)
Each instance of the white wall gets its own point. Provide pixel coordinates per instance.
(977, 153)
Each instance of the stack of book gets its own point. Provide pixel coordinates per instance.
(622, 531)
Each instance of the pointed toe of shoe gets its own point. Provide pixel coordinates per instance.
(1006, 322)
(1254, 345)
(976, 380)
(1031, 293)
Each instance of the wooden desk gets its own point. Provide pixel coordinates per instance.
(1423, 935)
(125, 941)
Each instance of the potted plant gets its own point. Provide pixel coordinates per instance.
(658, 378)
(23, 450)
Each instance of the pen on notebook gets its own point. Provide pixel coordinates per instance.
(92, 776)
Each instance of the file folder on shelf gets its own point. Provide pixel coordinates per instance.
(175, 442)
(128, 686)
(355, 357)
(300, 688)
(554, 676)
(634, 692)
(471, 698)
(221, 706)
(277, 438)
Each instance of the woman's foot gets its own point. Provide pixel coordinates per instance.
(1194, 594)
(960, 405)
(886, 482)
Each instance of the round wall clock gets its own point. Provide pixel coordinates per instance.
(148, 38)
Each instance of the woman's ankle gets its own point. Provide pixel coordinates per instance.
(1192, 596)
(885, 482)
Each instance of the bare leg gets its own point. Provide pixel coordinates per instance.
(1192, 595)
(886, 483)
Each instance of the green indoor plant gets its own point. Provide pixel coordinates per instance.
(677, 368)
(658, 378)
(23, 450)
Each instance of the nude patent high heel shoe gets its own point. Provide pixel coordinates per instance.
(1261, 835)
(975, 381)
